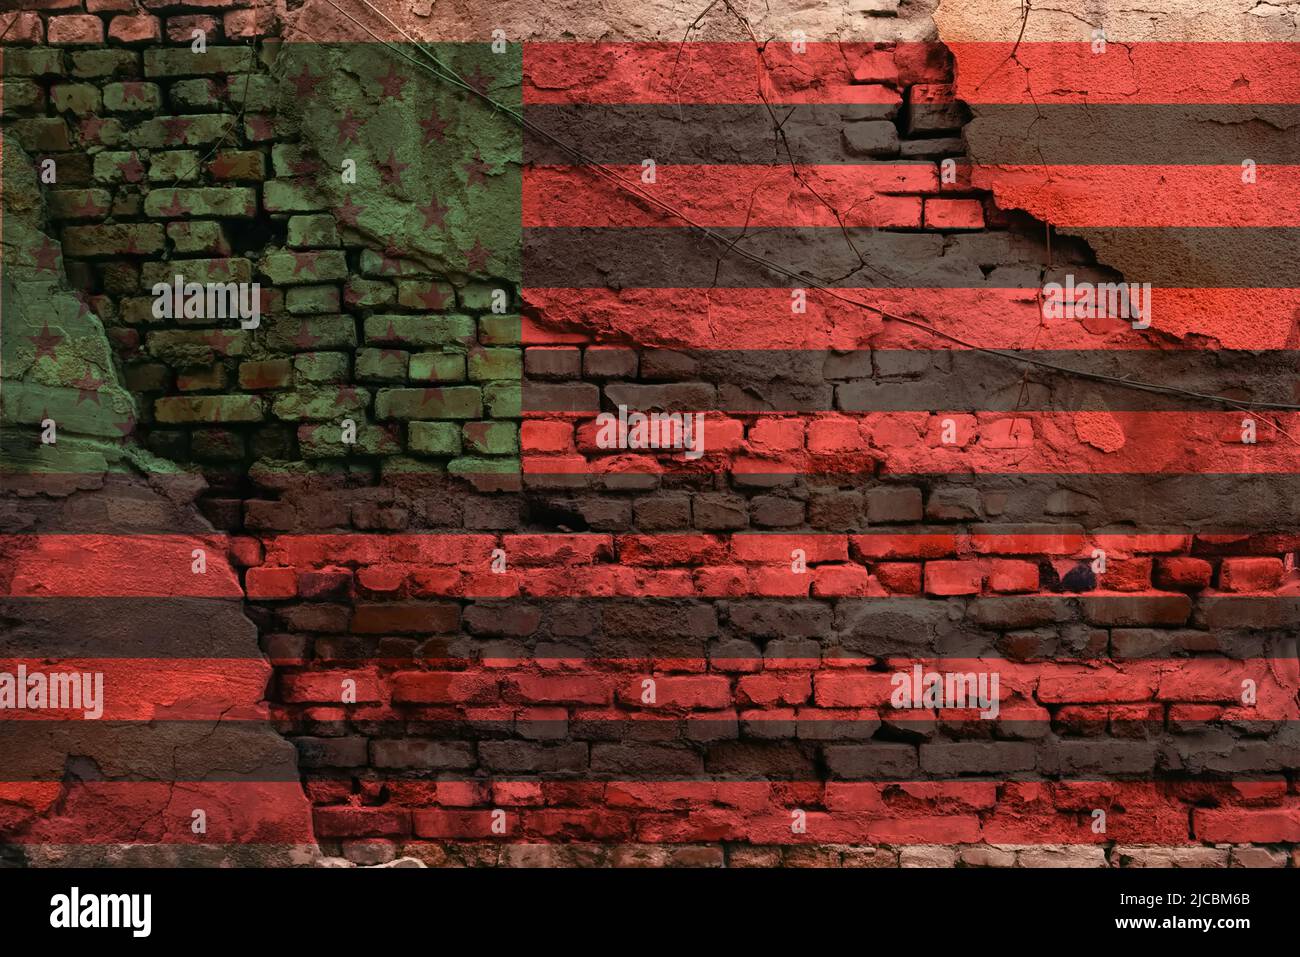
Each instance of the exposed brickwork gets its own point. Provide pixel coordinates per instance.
(522, 689)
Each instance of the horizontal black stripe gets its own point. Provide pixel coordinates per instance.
(1203, 503)
(680, 257)
(1146, 134)
(1056, 134)
(135, 751)
(1166, 625)
(789, 380)
(694, 134)
(126, 628)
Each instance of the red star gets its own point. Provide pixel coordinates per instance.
(434, 214)
(390, 334)
(223, 167)
(305, 83)
(434, 128)
(478, 80)
(220, 341)
(220, 86)
(88, 388)
(348, 212)
(177, 127)
(392, 170)
(391, 261)
(127, 426)
(304, 261)
(347, 395)
(91, 127)
(349, 128)
(260, 127)
(47, 257)
(175, 209)
(45, 342)
(133, 90)
(88, 209)
(392, 83)
(304, 339)
(476, 172)
(433, 298)
(477, 258)
(220, 267)
(132, 170)
(83, 304)
(304, 167)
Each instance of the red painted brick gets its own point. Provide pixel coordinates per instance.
(135, 29)
(954, 214)
(1250, 574)
(1013, 576)
(953, 578)
(269, 583)
(76, 29)
(1183, 573)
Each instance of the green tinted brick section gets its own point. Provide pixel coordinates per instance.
(79, 98)
(434, 438)
(37, 61)
(381, 365)
(226, 203)
(292, 268)
(168, 167)
(438, 367)
(181, 61)
(500, 330)
(93, 64)
(369, 293)
(494, 363)
(320, 403)
(236, 269)
(306, 300)
(198, 129)
(314, 367)
(420, 330)
(491, 438)
(326, 441)
(452, 402)
(309, 333)
(119, 239)
(133, 97)
(503, 399)
(209, 408)
(309, 231)
(265, 374)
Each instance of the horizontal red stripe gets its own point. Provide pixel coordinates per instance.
(154, 812)
(840, 690)
(119, 566)
(868, 196)
(985, 318)
(671, 812)
(1047, 73)
(1044, 73)
(1147, 196)
(541, 565)
(950, 812)
(149, 689)
(727, 196)
(908, 443)
(699, 72)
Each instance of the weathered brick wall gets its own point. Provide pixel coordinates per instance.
(523, 692)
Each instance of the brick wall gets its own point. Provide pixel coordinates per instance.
(431, 696)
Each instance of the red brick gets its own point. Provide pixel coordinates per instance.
(953, 578)
(78, 29)
(135, 29)
(1183, 573)
(766, 690)
(684, 692)
(22, 28)
(246, 24)
(900, 578)
(1012, 576)
(181, 29)
(954, 214)
(443, 687)
(833, 581)
(266, 583)
(1250, 574)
